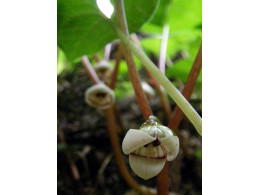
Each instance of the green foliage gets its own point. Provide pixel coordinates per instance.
(185, 23)
(162, 12)
(198, 155)
(82, 28)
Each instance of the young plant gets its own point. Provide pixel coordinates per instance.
(151, 147)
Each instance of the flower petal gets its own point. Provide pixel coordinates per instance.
(144, 167)
(103, 69)
(135, 139)
(93, 99)
(171, 145)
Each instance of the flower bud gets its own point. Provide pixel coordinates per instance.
(150, 147)
(103, 70)
(100, 96)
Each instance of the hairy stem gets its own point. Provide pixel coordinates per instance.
(173, 92)
(140, 96)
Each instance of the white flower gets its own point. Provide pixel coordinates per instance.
(100, 96)
(103, 70)
(150, 147)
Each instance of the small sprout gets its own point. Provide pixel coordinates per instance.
(148, 90)
(100, 96)
(103, 70)
(150, 147)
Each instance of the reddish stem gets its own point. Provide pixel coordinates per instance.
(91, 72)
(118, 155)
(73, 167)
(115, 72)
(187, 91)
(163, 177)
(140, 96)
(96, 57)
(165, 103)
(152, 80)
(163, 180)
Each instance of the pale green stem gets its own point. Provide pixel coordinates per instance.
(173, 92)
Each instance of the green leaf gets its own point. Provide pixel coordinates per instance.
(162, 12)
(181, 68)
(184, 19)
(83, 30)
(185, 14)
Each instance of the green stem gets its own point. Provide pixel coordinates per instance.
(129, 58)
(173, 92)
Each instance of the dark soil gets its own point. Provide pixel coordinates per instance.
(89, 145)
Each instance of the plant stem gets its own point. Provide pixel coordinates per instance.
(163, 180)
(187, 91)
(73, 167)
(115, 72)
(107, 51)
(173, 92)
(140, 96)
(163, 49)
(91, 72)
(96, 57)
(161, 65)
(119, 121)
(118, 155)
(152, 81)
(163, 176)
(177, 113)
